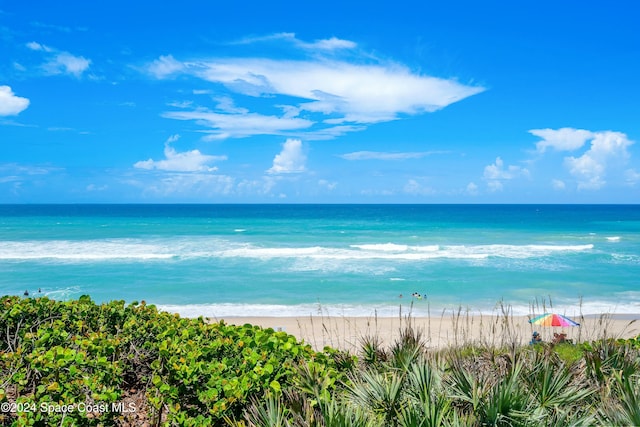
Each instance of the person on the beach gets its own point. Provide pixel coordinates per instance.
(559, 338)
(535, 338)
(26, 293)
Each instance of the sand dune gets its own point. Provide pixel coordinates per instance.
(347, 333)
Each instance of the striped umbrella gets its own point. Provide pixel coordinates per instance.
(553, 319)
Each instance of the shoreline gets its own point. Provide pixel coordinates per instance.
(348, 333)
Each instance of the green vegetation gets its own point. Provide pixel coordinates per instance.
(100, 361)
(80, 363)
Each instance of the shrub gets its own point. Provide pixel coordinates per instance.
(104, 360)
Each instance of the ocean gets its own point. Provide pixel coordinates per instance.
(343, 260)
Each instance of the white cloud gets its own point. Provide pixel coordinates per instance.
(590, 168)
(496, 173)
(558, 184)
(605, 150)
(336, 96)
(356, 93)
(19, 67)
(240, 125)
(17, 169)
(179, 184)
(202, 92)
(330, 44)
(472, 189)
(188, 161)
(10, 104)
(61, 62)
(39, 47)
(415, 188)
(261, 187)
(96, 188)
(329, 185)
(564, 139)
(165, 66)
(332, 132)
(588, 171)
(66, 63)
(290, 160)
(495, 186)
(378, 155)
(632, 177)
(180, 104)
(227, 105)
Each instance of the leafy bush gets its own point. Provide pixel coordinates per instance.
(120, 364)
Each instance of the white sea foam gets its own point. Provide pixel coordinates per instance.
(87, 250)
(418, 309)
(385, 247)
(626, 258)
(320, 253)
(62, 294)
(613, 239)
(525, 251)
(393, 251)
(201, 247)
(392, 247)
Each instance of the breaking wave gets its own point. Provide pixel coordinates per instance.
(162, 249)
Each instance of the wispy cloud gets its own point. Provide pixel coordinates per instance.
(238, 125)
(328, 185)
(59, 28)
(290, 160)
(329, 44)
(66, 63)
(632, 177)
(415, 188)
(61, 62)
(558, 184)
(332, 43)
(39, 47)
(19, 169)
(187, 161)
(10, 104)
(178, 184)
(321, 96)
(381, 155)
(165, 66)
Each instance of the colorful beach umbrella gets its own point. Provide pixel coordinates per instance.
(553, 319)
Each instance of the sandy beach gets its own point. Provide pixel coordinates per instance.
(347, 333)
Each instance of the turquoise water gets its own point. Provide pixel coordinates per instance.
(278, 260)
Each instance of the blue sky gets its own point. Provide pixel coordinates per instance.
(331, 102)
